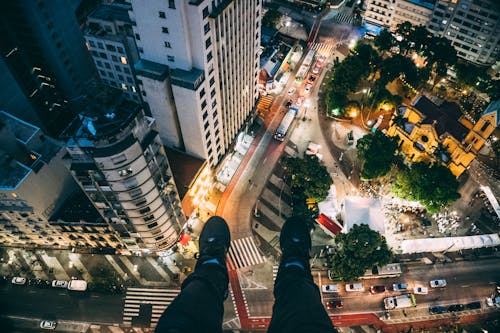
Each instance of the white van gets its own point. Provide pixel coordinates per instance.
(330, 288)
(399, 302)
(77, 285)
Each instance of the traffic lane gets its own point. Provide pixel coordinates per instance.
(60, 304)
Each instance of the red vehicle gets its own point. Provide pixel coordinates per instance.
(334, 304)
(377, 289)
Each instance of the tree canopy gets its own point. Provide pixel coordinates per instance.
(398, 65)
(271, 18)
(434, 186)
(377, 152)
(358, 250)
(308, 175)
(384, 41)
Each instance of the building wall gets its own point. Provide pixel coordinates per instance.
(379, 12)
(412, 12)
(472, 26)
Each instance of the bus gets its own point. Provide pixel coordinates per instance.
(306, 65)
(377, 272)
(285, 123)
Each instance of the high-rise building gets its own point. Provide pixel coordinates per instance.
(110, 39)
(119, 161)
(381, 14)
(198, 69)
(472, 26)
(45, 53)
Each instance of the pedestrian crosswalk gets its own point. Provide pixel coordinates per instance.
(158, 298)
(325, 49)
(265, 102)
(275, 272)
(243, 253)
(344, 17)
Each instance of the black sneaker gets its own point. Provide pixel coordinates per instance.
(214, 240)
(295, 241)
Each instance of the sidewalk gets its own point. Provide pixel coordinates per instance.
(63, 265)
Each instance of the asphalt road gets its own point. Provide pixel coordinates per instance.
(60, 304)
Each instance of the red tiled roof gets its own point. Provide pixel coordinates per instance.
(329, 224)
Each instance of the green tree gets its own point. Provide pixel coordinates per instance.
(271, 18)
(434, 186)
(418, 38)
(377, 152)
(309, 176)
(404, 30)
(103, 279)
(469, 74)
(398, 65)
(358, 250)
(384, 41)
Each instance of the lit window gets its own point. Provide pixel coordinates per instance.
(123, 60)
(124, 86)
(133, 89)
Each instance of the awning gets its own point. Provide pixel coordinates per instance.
(329, 225)
(184, 239)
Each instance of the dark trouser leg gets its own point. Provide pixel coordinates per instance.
(199, 307)
(297, 305)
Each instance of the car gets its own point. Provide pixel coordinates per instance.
(321, 59)
(455, 307)
(291, 91)
(330, 288)
(473, 305)
(308, 88)
(60, 284)
(436, 309)
(334, 304)
(300, 100)
(288, 104)
(377, 289)
(48, 324)
(354, 287)
(312, 78)
(399, 286)
(441, 283)
(493, 301)
(421, 290)
(18, 280)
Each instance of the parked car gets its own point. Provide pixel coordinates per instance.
(18, 280)
(308, 88)
(421, 290)
(455, 307)
(291, 91)
(311, 79)
(377, 289)
(441, 283)
(288, 104)
(48, 325)
(493, 301)
(334, 304)
(59, 284)
(330, 288)
(473, 305)
(436, 309)
(399, 286)
(354, 287)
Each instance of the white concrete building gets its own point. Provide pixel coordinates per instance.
(198, 69)
(109, 38)
(389, 13)
(119, 161)
(472, 26)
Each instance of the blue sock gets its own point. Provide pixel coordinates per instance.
(211, 261)
(294, 263)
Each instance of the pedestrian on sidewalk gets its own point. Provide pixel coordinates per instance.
(199, 307)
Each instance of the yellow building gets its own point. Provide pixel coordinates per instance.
(429, 132)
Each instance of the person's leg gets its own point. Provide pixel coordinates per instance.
(199, 307)
(297, 306)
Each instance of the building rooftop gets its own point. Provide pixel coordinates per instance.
(112, 12)
(427, 4)
(494, 107)
(76, 209)
(152, 70)
(23, 131)
(444, 117)
(13, 172)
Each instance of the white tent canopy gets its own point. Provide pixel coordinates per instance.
(449, 244)
(361, 210)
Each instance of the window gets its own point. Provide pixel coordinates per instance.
(170, 58)
(110, 48)
(124, 86)
(214, 103)
(100, 45)
(98, 63)
(164, 30)
(203, 104)
(208, 42)
(91, 42)
(162, 15)
(205, 12)
(149, 218)
(212, 81)
(202, 92)
(118, 68)
(152, 225)
(126, 70)
(120, 49)
(209, 56)
(167, 45)
(120, 77)
(212, 93)
(171, 4)
(103, 55)
(206, 28)
(144, 210)
(137, 37)
(205, 115)
(114, 58)
(107, 65)
(123, 60)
